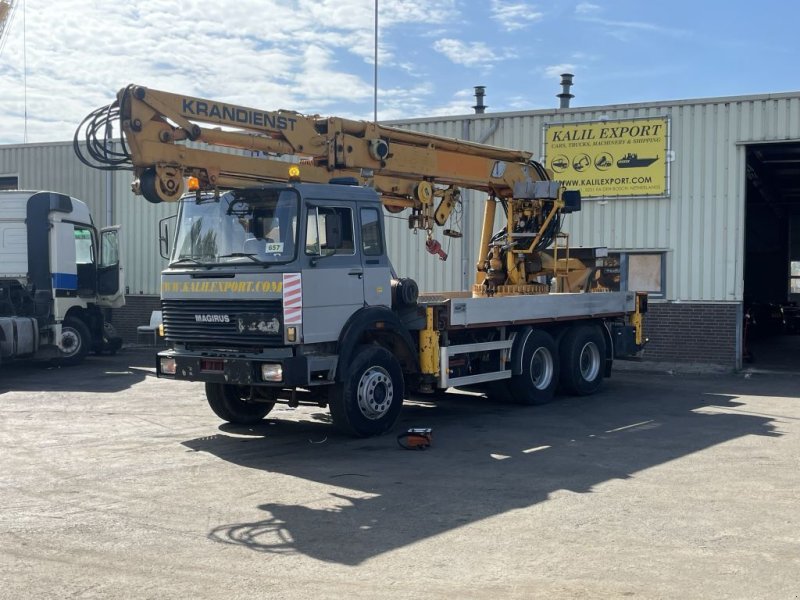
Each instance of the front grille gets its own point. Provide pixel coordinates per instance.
(218, 322)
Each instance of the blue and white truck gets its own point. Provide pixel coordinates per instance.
(58, 273)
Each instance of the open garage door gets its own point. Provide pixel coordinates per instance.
(772, 258)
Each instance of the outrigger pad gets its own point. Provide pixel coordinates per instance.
(416, 438)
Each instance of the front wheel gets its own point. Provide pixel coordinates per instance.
(76, 339)
(368, 399)
(232, 403)
(583, 353)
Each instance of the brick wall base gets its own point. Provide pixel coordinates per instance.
(697, 333)
(678, 331)
(136, 312)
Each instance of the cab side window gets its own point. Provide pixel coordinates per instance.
(84, 247)
(332, 233)
(371, 239)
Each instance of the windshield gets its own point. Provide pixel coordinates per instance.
(240, 226)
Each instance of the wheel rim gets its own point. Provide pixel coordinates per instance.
(375, 393)
(541, 368)
(590, 361)
(240, 394)
(70, 341)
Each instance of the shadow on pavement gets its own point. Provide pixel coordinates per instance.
(486, 459)
(98, 373)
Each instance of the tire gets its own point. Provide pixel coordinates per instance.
(229, 403)
(368, 399)
(76, 340)
(498, 391)
(110, 342)
(583, 354)
(540, 371)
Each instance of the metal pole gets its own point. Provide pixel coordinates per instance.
(375, 75)
(109, 198)
(466, 207)
(25, 74)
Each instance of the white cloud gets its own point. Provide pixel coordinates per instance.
(622, 30)
(293, 54)
(468, 54)
(586, 8)
(315, 56)
(514, 15)
(557, 70)
(519, 103)
(320, 84)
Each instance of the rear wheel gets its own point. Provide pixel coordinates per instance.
(539, 378)
(232, 403)
(583, 353)
(368, 399)
(76, 340)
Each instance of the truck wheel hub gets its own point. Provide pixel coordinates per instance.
(541, 368)
(70, 341)
(375, 393)
(590, 361)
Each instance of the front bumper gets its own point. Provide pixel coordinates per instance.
(233, 370)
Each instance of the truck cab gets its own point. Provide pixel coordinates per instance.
(274, 266)
(58, 273)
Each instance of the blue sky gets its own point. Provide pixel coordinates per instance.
(315, 56)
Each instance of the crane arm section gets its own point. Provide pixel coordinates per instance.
(392, 160)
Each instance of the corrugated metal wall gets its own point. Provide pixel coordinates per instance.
(700, 225)
(55, 167)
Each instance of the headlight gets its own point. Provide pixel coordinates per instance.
(271, 372)
(168, 365)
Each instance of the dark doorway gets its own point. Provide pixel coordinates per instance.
(772, 257)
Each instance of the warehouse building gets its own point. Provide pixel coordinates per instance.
(710, 228)
(696, 201)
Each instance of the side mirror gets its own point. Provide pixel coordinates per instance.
(163, 236)
(333, 231)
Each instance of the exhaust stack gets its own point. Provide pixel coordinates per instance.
(480, 92)
(566, 84)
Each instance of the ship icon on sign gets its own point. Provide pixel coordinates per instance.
(632, 161)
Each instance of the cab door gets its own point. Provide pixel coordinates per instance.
(110, 280)
(377, 276)
(332, 288)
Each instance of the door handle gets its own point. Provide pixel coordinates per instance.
(357, 272)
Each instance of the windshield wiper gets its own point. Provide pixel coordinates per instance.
(241, 254)
(189, 259)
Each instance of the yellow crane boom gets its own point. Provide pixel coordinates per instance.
(7, 9)
(408, 169)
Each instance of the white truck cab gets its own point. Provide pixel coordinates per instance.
(57, 274)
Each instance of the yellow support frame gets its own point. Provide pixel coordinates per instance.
(429, 354)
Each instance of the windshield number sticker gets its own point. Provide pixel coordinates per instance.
(276, 247)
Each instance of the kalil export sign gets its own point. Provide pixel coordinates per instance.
(610, 159)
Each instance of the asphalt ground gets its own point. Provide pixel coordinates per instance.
(115, 484)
